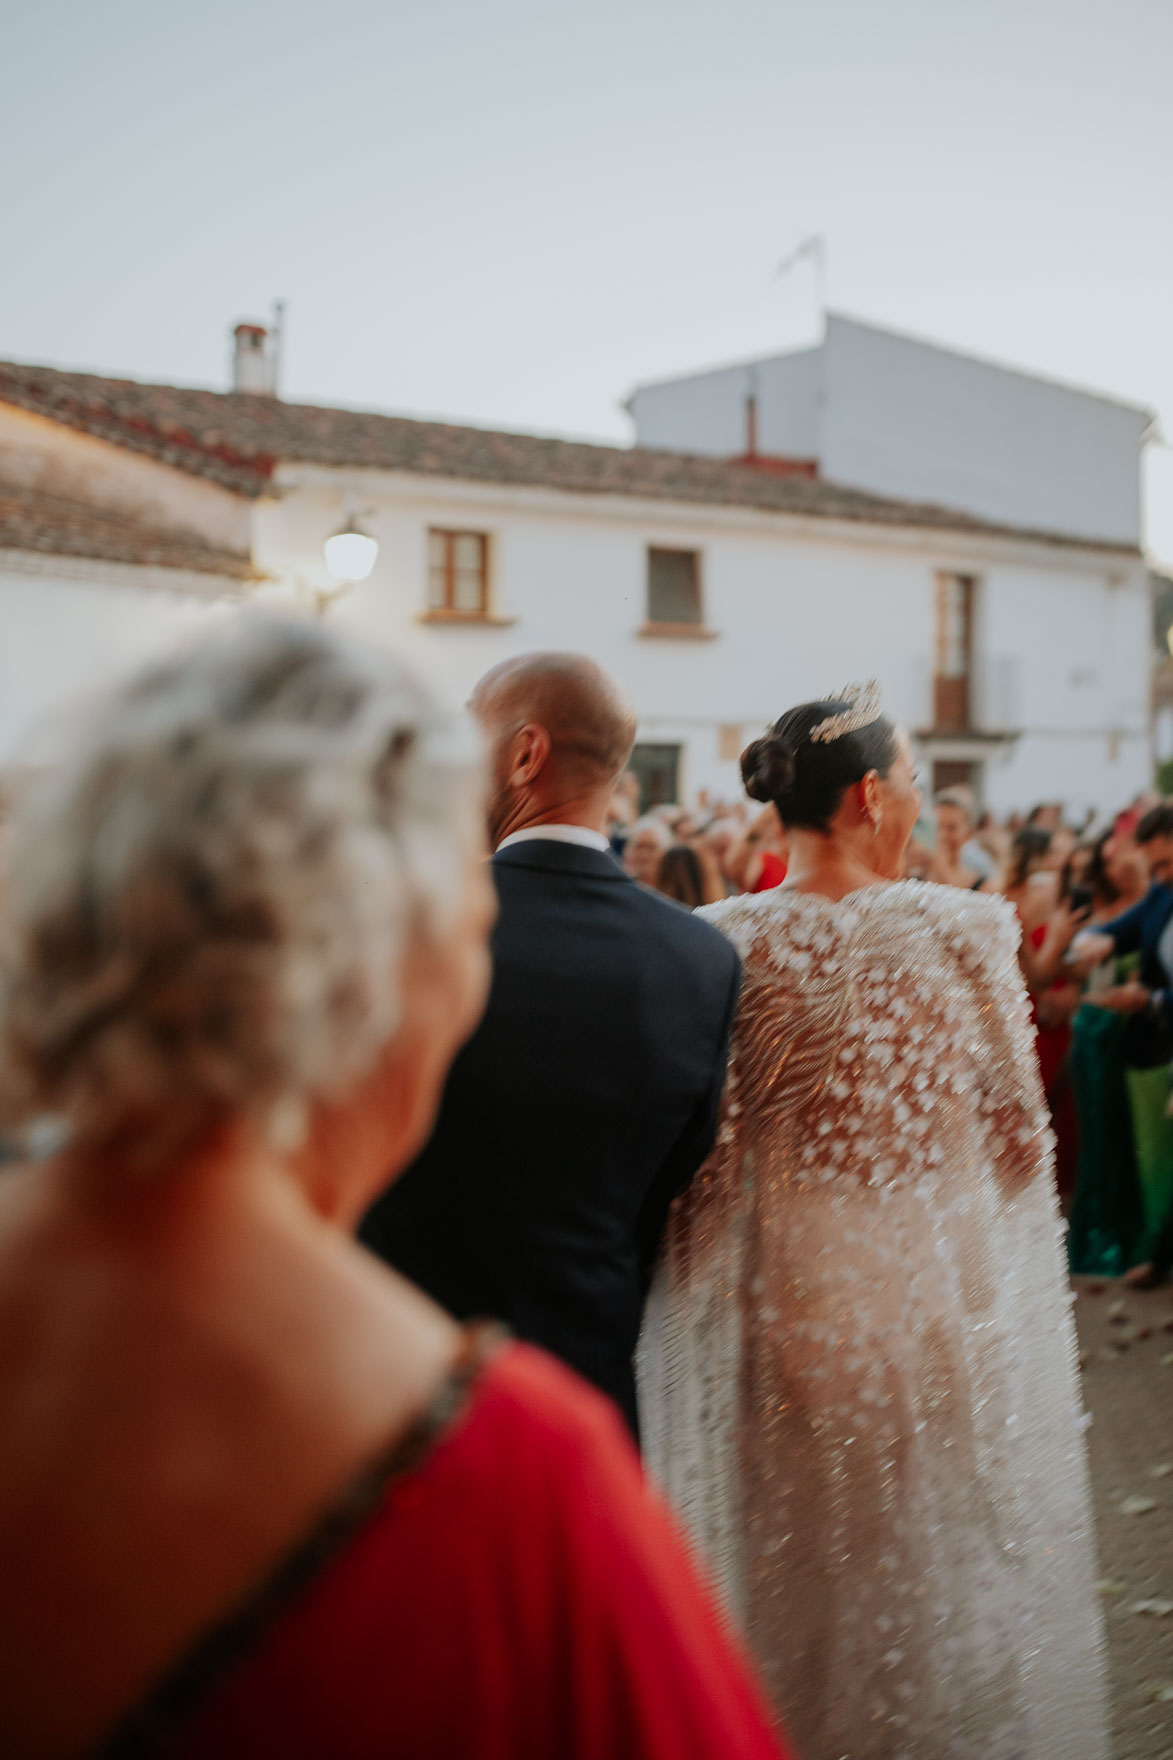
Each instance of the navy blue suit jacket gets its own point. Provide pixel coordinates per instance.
(585, 1100)
(1139, 930)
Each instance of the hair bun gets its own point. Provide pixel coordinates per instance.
(767, 769)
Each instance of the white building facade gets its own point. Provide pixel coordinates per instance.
(874, 411)
(790, 607)
(1011, 635)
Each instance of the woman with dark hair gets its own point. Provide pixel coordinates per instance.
(1032, 880)
(858, 1375)
(1027, 881)
(681, 876)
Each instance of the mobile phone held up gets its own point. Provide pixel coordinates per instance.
(1081, 899)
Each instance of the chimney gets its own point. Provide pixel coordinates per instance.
(250, 359)
(751, 425)
(752, 388)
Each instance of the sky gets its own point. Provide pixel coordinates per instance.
(510, 212)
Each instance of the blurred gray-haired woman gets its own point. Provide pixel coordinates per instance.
(257, 1495)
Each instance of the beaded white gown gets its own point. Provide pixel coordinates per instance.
(858, 1378)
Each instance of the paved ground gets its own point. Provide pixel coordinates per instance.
(1127, 1345)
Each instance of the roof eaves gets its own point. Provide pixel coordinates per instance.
(49, 525)
(369, 440)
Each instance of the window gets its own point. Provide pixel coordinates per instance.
(953, 650)
(458, 574)
(674, 586)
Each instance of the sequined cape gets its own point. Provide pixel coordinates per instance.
(858, 1374)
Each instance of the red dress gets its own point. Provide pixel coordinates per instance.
(516, 1594)
(773, 872)
(1053, 1045)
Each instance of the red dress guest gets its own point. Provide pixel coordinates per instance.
(501, 1585)
(773, 872)
(259, 1497)
(1052, 1017)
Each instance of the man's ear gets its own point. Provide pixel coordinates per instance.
(528, 754)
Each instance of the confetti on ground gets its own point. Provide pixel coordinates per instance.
(1128, 1440)
(1137, 1506)
(1167, 1360)
(1161, 1470)
(1160, 1692)
(1155, 1607)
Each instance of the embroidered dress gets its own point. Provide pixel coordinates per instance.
(858, 1375)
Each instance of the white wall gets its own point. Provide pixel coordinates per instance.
(70, 630)
(922, 424)
(799, 608)
(706, 412)
(1079, 649)
(901, 418)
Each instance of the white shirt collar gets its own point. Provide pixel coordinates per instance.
(558, 834)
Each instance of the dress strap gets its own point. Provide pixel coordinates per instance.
(145, 1730)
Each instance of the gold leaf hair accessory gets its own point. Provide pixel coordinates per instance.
(864, 708)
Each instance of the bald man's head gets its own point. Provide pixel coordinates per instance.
(561, 732)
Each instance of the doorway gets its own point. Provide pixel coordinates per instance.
(955, 773)
(658, 769)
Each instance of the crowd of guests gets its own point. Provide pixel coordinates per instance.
(698, 858)
(1103, 1025)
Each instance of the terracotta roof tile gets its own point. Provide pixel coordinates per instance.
(54, 526)
(237, 439)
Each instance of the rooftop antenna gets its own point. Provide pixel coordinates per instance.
(277, 336)
(814, 248)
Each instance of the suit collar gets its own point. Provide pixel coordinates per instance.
(557, 833)
(544, 854)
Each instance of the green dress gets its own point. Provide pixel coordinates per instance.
(1106, 1211)
(1148, 1092)
(1107, 1224)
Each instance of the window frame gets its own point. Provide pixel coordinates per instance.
(690, 629)
(954, 649)
(450, 612)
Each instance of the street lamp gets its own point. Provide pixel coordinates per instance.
(350, 554)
